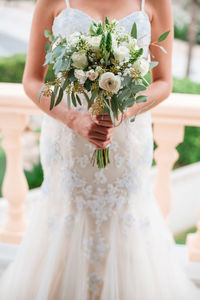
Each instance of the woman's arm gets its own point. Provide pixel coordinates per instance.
(34, 72)
(100, 135)
(161, 86)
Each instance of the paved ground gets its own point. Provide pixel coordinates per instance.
(15, 24)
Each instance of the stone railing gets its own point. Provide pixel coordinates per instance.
(169, 119)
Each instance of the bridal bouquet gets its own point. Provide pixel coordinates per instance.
(105, 65)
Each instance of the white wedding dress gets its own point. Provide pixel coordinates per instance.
(97, 234)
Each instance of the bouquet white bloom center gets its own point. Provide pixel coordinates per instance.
(79, 59)
(110, 82)
(141, 66)
(122, 53)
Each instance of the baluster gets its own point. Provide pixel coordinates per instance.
(167, 137)
(15, 186)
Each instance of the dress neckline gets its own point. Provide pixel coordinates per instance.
(90, 18)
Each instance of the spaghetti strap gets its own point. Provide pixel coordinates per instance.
(67, 2)
(143, 4)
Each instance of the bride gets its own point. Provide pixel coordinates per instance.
(97, 234)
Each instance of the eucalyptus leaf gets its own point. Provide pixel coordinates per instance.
(163, 36)
(129, 102)
(74, 99)
(47, 33)
(94, 94)
(141, 98)
(59, 51)
(78, 99)
(53, 96)
(40, 91)
(87, 98)
(68, 101)
(133, 119)
(126, 81)
(111, 113)
(153, 64)
(124, 94)
(57, 66)
(65, 84)
(163, 49)
(48, 59)
(88, 84)
(138, 88)
(60, 96)
(47, 47)
(114, 105)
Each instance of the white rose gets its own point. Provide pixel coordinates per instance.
(110, 82)
(122, 53)
(79, 60)
(141, 66)
(80, 75)
(94, 42)
(92, 75)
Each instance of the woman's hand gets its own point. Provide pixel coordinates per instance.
(96, 131)
(107, 119)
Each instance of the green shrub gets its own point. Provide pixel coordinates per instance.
(182, 33)
(12, 68)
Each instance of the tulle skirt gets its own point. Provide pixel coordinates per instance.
(139, 265)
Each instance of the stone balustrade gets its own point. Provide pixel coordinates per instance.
(169, 120)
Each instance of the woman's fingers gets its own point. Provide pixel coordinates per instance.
(99, 144)
(103, 120)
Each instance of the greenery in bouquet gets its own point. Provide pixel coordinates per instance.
(105, 65)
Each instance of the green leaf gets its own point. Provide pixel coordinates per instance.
(138, 88)
(74, 99)
(65, 84)
(68, 101)
(114, 105)
(129, 102)
(91, 30)
(59, 51)
(109, 42)
(88, 84)
(124, 94)
(133, 119)
(47, 33)
(106, 21)
(134, 31)
(47, 47)
(40, 91)
(57, 66)
(78, 99)
(87, 98)
(141, 98)
(126, 81)
(48, 59)
(163, 36)
(111, 113)
(53, 96)
(94, 94)
(51, 38)
(60, 96)
(153, 64)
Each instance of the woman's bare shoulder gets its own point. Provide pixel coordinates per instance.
(50, 7)
(159, 7)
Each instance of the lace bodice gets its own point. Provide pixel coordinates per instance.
(71, 20)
